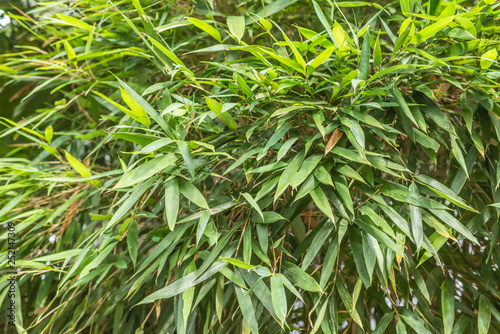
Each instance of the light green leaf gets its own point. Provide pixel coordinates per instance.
(324, 22)
(237, 263)
(146, 170)
(488, 58)
(278, 297)
(206, 28)
(80, 168)
(137, 112)
(431, 30)
(483, 315)
(73, 21)
(216, 108)
(171, 202)
(347, 300)
(236, 26)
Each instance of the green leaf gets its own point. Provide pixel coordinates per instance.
(253, 203)
(288, 174)
(383, 323)
(97, 260)
(448, 305)
(156, 145)
(80, 168)
(193, 194)
(137, 112)
(414, 322)
(236, 26)
(402, 103)
(216, 108)
(132, 241)
(202, 224)
(488, 58)
(431, 30)
(278, 297)
(247, 309)
(237, 263)
(49, 132)
(136, 193)
(73, 21)
(355, 240)
(285, 148)
(147, 107)
(317, 242)
(281, 131)
(206, 28)
(379, 235)
(324, 22)
(171, 202)
(186, 155)
(400, 327)
(306, 169)
(483, 315)
(242, 159)
(364, 61)
(184, 283)
(146, 170)
(322, 175)
(451, 221)
(347, 301)
(300, 278)
(457, 152)
(243, 85)
(322, 203)
(443, 191)
(321, 58)
(416, 220)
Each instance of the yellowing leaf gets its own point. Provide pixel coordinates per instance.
(126, 111)
(340, 35)
(80, 168)
(49, 131)
(488, 58)
(138, 113)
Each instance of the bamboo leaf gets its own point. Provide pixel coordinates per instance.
(236, 26)
(206, 28)
(278, 297)
(146, 170)
(80, 168)
(448, 305)
(193, 194)
(172, 202)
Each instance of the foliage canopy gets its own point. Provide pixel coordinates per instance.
(254, 166)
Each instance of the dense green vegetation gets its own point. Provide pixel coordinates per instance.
(251, 166)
